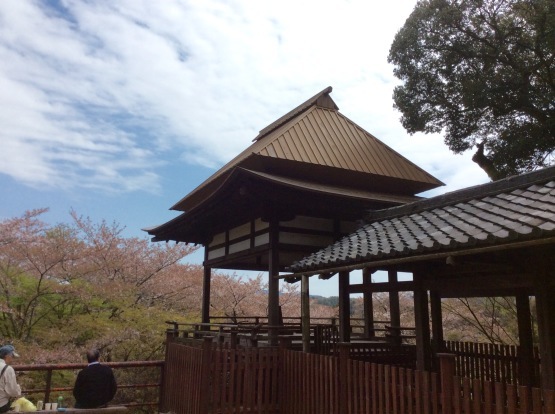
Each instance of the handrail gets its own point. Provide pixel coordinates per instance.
(379, 328)
(49, 368)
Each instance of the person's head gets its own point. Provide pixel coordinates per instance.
(7, 352)
(93, 355)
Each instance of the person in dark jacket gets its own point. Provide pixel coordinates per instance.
(95, 385)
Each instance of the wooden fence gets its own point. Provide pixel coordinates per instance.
(490, 362)
(271, 380)
(221, 380)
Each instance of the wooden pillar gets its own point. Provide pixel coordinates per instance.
(344, 308)
(394, 308)
(437, 322)
(526, 375)
(447, 373)
(422, 324)
(368, 305)
(305, 312)
(545, 308)
(206, 361)
(273, 281)
(344, 362)
(205, 312)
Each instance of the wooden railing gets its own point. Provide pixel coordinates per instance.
(382, 353)
(45, 393)
(490, 362)
(250, 330)
(379, 328)
(281, 381)
(323, 337)
(272, 380)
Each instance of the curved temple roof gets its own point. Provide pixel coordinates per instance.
(315, 142)
(518, 209)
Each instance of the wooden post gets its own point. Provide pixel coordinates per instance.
(205, 316)
(344, 308)
(447, 374)
(344, 351)
(48, 385)
(205, 374)
(284, 342)
(171, 333)
(305, 312)
(437, 324)
(526, 375)
(161, 396)
(394, 308)
(368, 305)
(273, 282)
(422, 324)
(545, 308)
(318, 339)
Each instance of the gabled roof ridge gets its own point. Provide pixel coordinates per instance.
(466, 194)
(330, 104)
(251, 150)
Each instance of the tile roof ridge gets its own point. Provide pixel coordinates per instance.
(465, 194)
(315, 100)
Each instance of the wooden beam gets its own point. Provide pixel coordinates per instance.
(467, 287)
(463, 265)
(465, 292)
(442, 282)
(406, 286)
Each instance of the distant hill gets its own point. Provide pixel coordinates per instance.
(332, 301)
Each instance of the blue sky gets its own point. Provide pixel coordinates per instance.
(118, 108)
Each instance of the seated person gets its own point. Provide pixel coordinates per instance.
(95, 385)
(9, 388)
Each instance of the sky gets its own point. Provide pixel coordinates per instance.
(116, 109)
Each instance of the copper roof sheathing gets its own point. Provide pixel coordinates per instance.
(327, 138)
(516, 209)
(316, 134)
(321, 99)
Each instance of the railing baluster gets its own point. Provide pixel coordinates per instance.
(48, 385)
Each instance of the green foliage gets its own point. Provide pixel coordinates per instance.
(491, 320)
(483, 73)
(68, 288)
(332, 301)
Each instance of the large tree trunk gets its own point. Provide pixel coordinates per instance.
(486, 163)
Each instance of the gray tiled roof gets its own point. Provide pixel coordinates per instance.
(519, 208)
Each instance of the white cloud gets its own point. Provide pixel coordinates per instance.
(96, 93)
